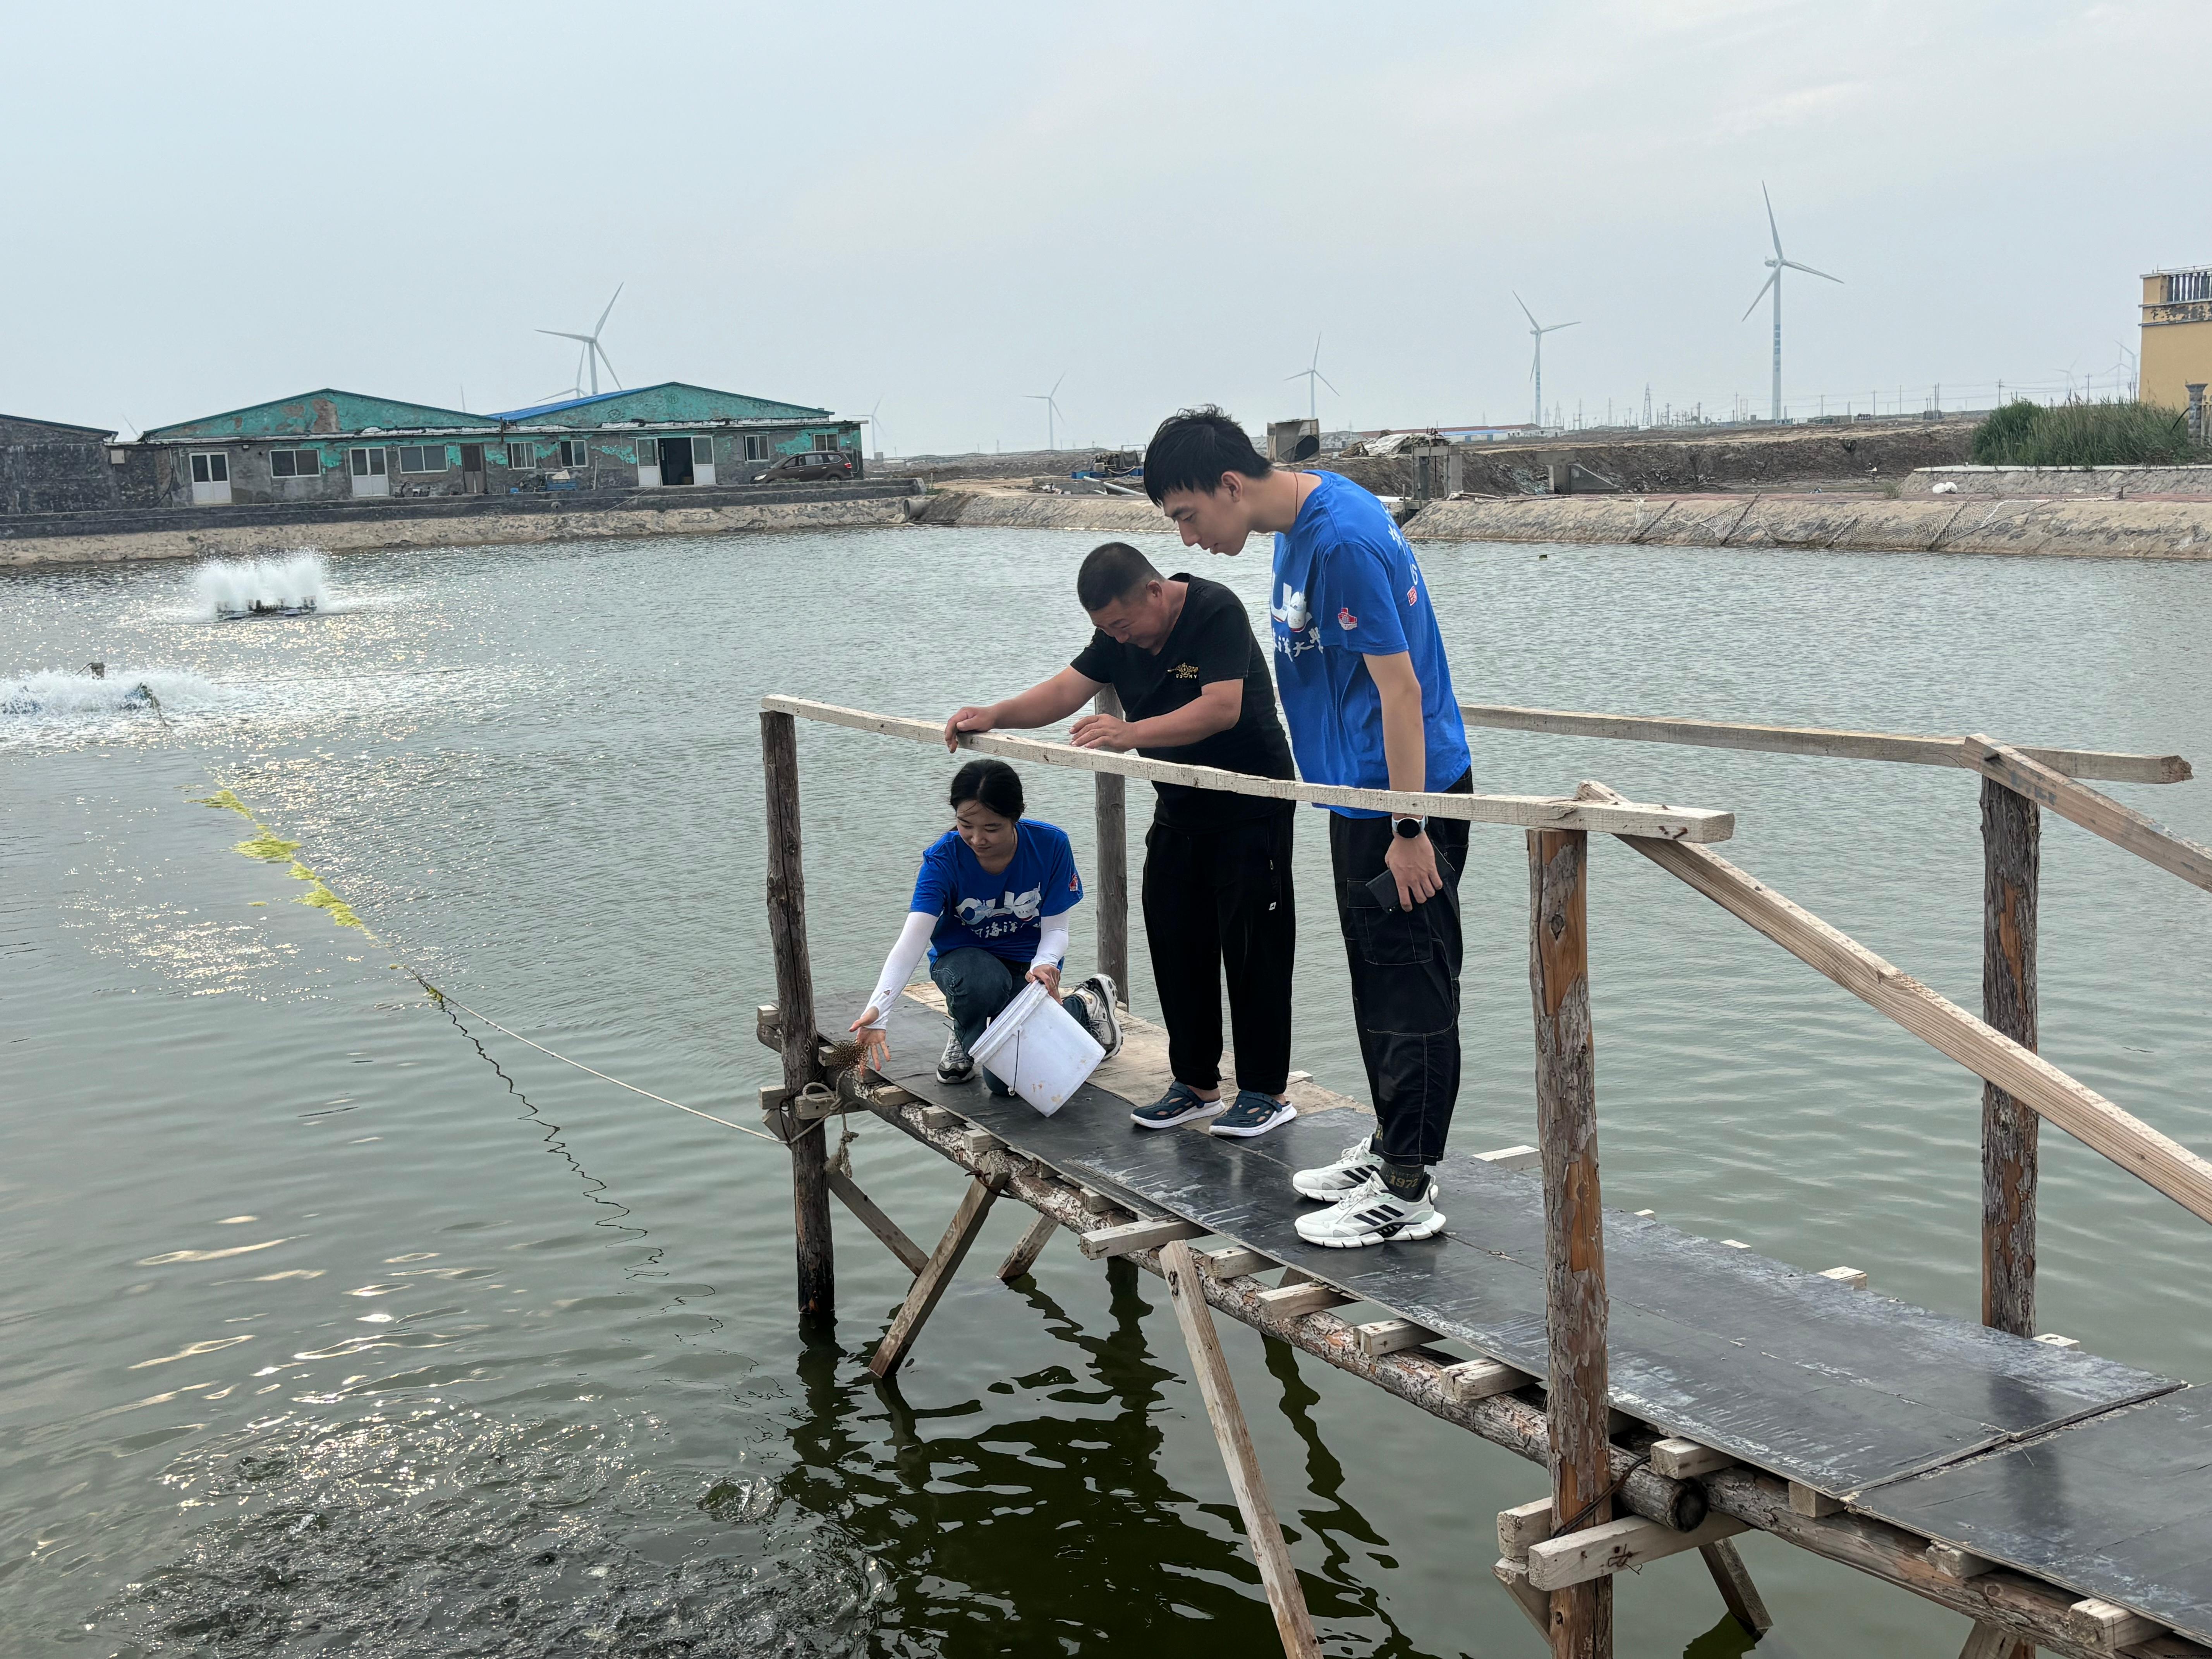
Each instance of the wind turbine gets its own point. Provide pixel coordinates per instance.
(1309, 374)
(1774, 267)
(875, 428)
(1051, 411)
(1537, 331)
(593, 354)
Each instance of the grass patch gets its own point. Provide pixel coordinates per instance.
(2117, 433)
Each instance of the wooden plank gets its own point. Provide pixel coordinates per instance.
(1686, 1460)
(2155, 1159)
(1295, 1301)
(2052, 1339)
(1479, 1379)
(864, 1208)
(1577, 1400)
(1828, 742)
(1146, 1234)
(937, 1117)
(1512, 1157)
(1595, 1553)
(1811, 1502)
(1988, 1641)
(1522, 1526)
(1112, 859)
(1187, 1292)
(1233, 1262)
(1689, 824)
(794, 999)
(768, 1027)
(2095, 811)
(1854, 1278)
(1954, 1562)
(936, 1276)
(1392, 1336)
(2108, 1628)
(1024, 1254)
(1513, 1577)
(981, 1143)
(1732, 1580)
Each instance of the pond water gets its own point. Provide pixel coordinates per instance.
(337, 1321)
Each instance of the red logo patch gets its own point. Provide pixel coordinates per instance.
(1413, 595)
(1345, 619)
(1073, 883)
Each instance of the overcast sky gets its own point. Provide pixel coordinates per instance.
(945, 208)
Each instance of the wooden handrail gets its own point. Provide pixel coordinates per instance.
(2155, 1159)
(1834, 743)
(2098, 813)
(1617, 817)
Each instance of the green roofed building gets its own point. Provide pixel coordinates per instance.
(331, 445)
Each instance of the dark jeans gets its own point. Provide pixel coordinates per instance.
(1405, 981)
(976, 986)
(1218, 904)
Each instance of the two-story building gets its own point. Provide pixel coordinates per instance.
(2177, 335)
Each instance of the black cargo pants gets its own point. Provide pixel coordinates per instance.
(1405, 981)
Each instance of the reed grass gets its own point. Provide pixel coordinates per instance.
(2119, 432)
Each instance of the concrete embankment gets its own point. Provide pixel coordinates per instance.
(1012, 510)
(2094, 529)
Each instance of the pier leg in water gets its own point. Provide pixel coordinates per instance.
(2012, 854)
(794, 988)
(1292, 1622)
(1579, 1399)
(936, 1275)
(1113, 866)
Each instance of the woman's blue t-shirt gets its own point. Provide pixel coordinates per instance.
(1000, 913)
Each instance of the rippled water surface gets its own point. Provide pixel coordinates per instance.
(337, 1322)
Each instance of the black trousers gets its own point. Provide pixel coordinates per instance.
(1405, 981)
(1218, 906)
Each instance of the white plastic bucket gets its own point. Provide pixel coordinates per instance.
(1036, 1050)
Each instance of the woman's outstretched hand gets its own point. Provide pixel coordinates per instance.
(874, 1042)
(1049, 976)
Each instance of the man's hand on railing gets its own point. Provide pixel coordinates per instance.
(971, 722)
(1103, 732)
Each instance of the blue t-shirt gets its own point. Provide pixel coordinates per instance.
(1000, 913)
(1347, 586)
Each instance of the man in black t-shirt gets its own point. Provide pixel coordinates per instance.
(1195, 688)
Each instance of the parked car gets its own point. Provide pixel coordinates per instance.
(813, 466)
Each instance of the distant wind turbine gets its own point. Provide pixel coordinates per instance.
(1774, 267)
(1049, 399)
(593, 354)
(1537, 331)
(1310, 374)
(875, 427)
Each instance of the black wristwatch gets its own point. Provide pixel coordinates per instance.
(1406, 829)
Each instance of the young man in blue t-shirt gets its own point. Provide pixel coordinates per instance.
(1368, 696)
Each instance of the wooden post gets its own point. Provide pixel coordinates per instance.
(1186, 1289)
(936, 1275)
(1577, 1398)
(795, 1000)
(1028, 1248)
(1113, 867)
(1733, 1579)
(2012, 860)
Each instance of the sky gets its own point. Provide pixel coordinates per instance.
(932, 212)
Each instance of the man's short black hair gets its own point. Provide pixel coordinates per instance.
(1111, 573)
(1193, 447)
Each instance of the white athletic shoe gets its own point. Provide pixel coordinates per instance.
(1347, 1174)
(1372, 1215)
(1104, 1022)
(956, 1064)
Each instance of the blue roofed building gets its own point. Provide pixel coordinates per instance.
(674, 434)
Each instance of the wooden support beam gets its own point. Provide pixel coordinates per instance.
(1522, 1526)
(1524, 812)
(2012, 859)
(1823, 741)
(1295, 1301)
(940, 1117)
(1988, 1641)
(1023, 1256)
(2094, 810)
(794, 998)
(2106, 1628)
(1813, 1502)
(1513, 1577)
(1577, 1398)
(1233, 1262)
(981, 1143)
(864, 1209)
(1686, 1460)
(2155, 1159)
(1512, 1157)
(768, 1026)
(1732, 1580)
(1146, 1234)
(1112, 860)
(1854, 1279)
(1954, 1562)
(1098, 1203)
(1393, 1336)
(1595, 1553)
(1479, 1379)
(936, 1276)
(1187, 1291)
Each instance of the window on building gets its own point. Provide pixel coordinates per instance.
(295, 463)
(575, 451)
(825, 440)
(703, 452)
(210, 466)
(757, 447)
(365, 463)
(521, 455)
(423, 458)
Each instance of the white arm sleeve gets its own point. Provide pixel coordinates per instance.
(1052, 942)
(898, 967)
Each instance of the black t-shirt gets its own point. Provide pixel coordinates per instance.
(1212, 641)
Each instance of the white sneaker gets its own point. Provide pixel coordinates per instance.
(1099, 995)
(1347, 1174)
(1372, 1215)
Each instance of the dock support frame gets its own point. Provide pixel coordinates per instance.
(2012, 857)
(794, 997)
(1113, 864)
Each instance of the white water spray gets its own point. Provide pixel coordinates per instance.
(290, 583)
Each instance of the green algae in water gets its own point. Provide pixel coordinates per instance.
(322, 898)
(223, 800)
(269, 846)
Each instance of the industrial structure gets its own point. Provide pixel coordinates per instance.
(2177, 335)
(50, 466)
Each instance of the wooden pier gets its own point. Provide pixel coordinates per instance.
(1680, 1391)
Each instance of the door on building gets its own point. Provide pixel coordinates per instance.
(702, 460)
(675, 461)
(369, 477)
(649, 463)
(472, 470)
(210, 477)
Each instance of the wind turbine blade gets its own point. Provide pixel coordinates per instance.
(1773, 228)
(563, 334)
(1055, 392)
(1556, 327)
(1772, 277)
(609, 362)
(604, 315)
(1300, 375)
(1316, 356)
(1525, 311)
(1809, 271)
(1326, 381)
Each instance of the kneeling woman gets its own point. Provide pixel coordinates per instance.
(991, 908)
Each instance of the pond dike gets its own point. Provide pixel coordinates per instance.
(185, 532)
